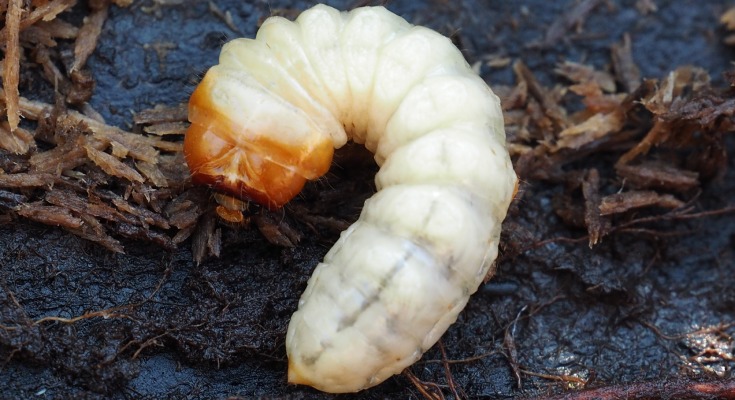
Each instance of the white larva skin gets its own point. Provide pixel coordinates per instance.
(400, 275)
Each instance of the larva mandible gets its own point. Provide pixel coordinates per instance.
(269, 116)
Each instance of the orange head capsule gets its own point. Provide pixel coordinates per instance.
(239, 144)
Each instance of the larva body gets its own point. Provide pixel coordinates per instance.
(268, 117)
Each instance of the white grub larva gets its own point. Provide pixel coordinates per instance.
(269, 116)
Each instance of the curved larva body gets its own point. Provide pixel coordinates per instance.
(268, 117)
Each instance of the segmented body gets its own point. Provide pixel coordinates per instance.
(268, 117)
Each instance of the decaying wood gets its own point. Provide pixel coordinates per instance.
(11, 67)
(660, 176)
(45, 12)
(548, 103)
(89, 33)
(597, 225)
(25, 180)
(206, 238)
(584, 74)
(728, 19)
(18, 141)
(622, 202)
(50, 215)
(626, 71)
(275, 232)
(81, 144)
(667, 136)
(574, 17)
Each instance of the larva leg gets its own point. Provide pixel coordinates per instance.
(267, 118)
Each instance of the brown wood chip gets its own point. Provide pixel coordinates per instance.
(34, 36)
(597, 226)
(50, 215)
(658, 134)
(146, 216)
(152, 173)
(11, 63)
(89, 34)
(161, 113)
(183, 234)
(646, 7)
(276, 233)
(136, 146)
(574, 17)
(622, 202)
(112, 166)
(551, 108)
(51, 72)
(16, 142)
(25, 180)
(47, 12)
(122, 3)
(67, 155)
(82, 87)
(626, 70)
(57, 28)
(141, 233)
(167, 128)
(594, 128)
(94, 231)
(85, 206)
(728, 19)
(186, 218)
(202, 242)
(704, 110)
(580, 73)
(658, 176)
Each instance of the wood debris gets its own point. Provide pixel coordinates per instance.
(597, 225)
(583, 74)
(573, 19)
(44, 11)
(89, 33)
(50, 215)
(111, 165)
(207, 238)
(664, 137)
(622, 202)
(656, 175)
(17, 141)
(66, 167)
(277, 233)
(11, 67)
(626, 71)
(728, 19)
(646, 7)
